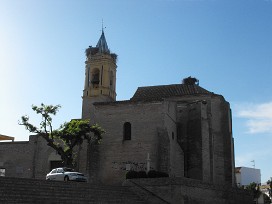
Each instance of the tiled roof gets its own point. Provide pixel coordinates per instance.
(158, 93)
(4, 137)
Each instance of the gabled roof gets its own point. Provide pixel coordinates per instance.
(158, 93)
(4, 137)
(102, 44)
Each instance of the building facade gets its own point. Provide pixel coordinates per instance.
(246, 176)
(183, 129)
(180, 129)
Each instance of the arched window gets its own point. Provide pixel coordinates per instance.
(95, 77)
(127, 131)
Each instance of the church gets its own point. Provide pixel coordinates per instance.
(181, 129)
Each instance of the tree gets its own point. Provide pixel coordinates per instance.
(255, 190)
(67, 137)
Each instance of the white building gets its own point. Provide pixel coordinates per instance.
(246, 175)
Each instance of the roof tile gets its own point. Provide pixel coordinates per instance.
(158, 93)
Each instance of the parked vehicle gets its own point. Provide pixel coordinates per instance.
(65, 174)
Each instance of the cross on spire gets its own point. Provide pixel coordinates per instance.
(103, 26)
(102, 43)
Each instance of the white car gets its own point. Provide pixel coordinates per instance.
(65, 174)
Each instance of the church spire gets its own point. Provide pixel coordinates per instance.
(102, 43)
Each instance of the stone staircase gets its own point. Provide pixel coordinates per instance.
(20, 190)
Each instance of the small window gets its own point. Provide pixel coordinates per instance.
(127, 131)
(173, 136)
(2, 172)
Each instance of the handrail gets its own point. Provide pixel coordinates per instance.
(150, 192)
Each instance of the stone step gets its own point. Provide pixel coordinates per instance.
(18, 190)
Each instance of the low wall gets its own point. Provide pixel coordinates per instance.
(187, 191)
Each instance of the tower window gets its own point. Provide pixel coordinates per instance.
(127, 131)
(95, 77)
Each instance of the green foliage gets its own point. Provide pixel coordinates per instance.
(69, 135)
(46, 124)
(255, 190)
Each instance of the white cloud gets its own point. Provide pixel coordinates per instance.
(258, 116)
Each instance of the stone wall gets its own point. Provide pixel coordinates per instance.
(43, 155)
(223, 157)
(204, 134)
(28, 159)
(182, 136)
(163, 151)
(17, 159)
(22, 190)
(116, 155)
(88, 107)
(176, 155)
(187, 191)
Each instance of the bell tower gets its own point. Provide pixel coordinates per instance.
(100, 76)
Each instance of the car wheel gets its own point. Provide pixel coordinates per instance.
(66, 178)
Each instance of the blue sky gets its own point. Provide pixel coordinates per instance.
(226, 44)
